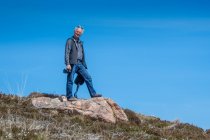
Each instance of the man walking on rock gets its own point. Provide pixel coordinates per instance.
(75, 63)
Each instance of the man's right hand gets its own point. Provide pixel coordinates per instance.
(68, 67)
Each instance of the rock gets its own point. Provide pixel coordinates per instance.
(208, 132)
(98, 108)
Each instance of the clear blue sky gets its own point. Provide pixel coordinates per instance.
(149, 56)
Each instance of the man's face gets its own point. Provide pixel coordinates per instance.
(78, 32)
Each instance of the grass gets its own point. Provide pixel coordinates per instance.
(20, 120)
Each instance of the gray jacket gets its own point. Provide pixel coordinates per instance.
(71, 52)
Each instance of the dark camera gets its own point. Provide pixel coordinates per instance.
(66, 71)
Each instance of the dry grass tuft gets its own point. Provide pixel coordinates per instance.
(37, 94)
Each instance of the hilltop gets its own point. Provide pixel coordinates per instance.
(21, 120)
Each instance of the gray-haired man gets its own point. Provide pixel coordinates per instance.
(75, 63)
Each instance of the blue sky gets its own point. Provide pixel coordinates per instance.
(149, 56)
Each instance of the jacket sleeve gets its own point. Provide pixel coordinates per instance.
(67, 51)
(83, 59)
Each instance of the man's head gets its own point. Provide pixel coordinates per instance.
(78, 31)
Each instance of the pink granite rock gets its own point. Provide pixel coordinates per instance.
(98, 108)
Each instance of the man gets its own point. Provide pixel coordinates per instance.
(75, 63)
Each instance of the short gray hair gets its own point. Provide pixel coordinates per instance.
(79, 26)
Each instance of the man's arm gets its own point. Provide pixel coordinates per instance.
(67, 53)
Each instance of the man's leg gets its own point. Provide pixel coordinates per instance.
(69, 83)
(88, 80)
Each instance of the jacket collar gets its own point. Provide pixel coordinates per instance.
(76, 40)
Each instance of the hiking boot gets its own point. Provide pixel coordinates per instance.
(72, 99)
(96, 95)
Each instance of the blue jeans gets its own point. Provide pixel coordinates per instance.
(79, 69)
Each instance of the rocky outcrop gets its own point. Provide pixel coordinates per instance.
(98, 108)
